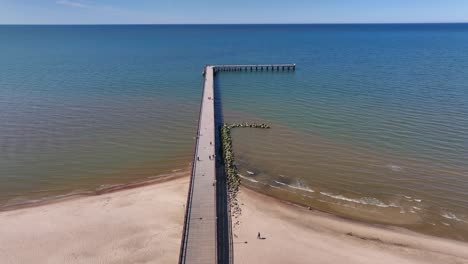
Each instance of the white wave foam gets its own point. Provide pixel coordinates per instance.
(247, 178)
(299, 186)
(364, 200)
(282, 183)
(394, 167)
(418, 200)
(407, 197)
(452, 216)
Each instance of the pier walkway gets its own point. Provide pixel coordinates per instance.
(199, 238)
(206, 232)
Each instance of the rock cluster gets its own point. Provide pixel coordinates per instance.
(253, 125)
(233, 179)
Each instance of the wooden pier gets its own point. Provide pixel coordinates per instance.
(206, 232)
(199, 243)
(254, 67)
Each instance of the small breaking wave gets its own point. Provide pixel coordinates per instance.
(394, 167)
(282, 183)
(452, 216)
(299, 186)
(247, 178)
(364, 200)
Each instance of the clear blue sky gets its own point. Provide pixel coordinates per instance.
(230, 11)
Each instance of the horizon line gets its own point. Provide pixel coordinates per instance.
(235, 24)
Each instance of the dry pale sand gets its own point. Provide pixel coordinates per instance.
(141, 225)
(294, 234)
(144, 225)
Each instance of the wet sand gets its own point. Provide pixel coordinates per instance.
(144, 225)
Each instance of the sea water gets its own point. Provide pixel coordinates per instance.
(372, 125)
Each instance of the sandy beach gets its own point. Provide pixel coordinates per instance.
(140, 225)
(144, 225)
(294, 234)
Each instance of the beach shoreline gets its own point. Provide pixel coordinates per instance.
(132, 225)
(288, 229)
(144, 224)
(98, 191)
(384, 223)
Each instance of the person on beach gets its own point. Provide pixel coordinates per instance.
(258, 235)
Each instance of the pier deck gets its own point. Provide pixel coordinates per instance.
(199, 242)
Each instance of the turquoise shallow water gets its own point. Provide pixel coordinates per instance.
(373, 124)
